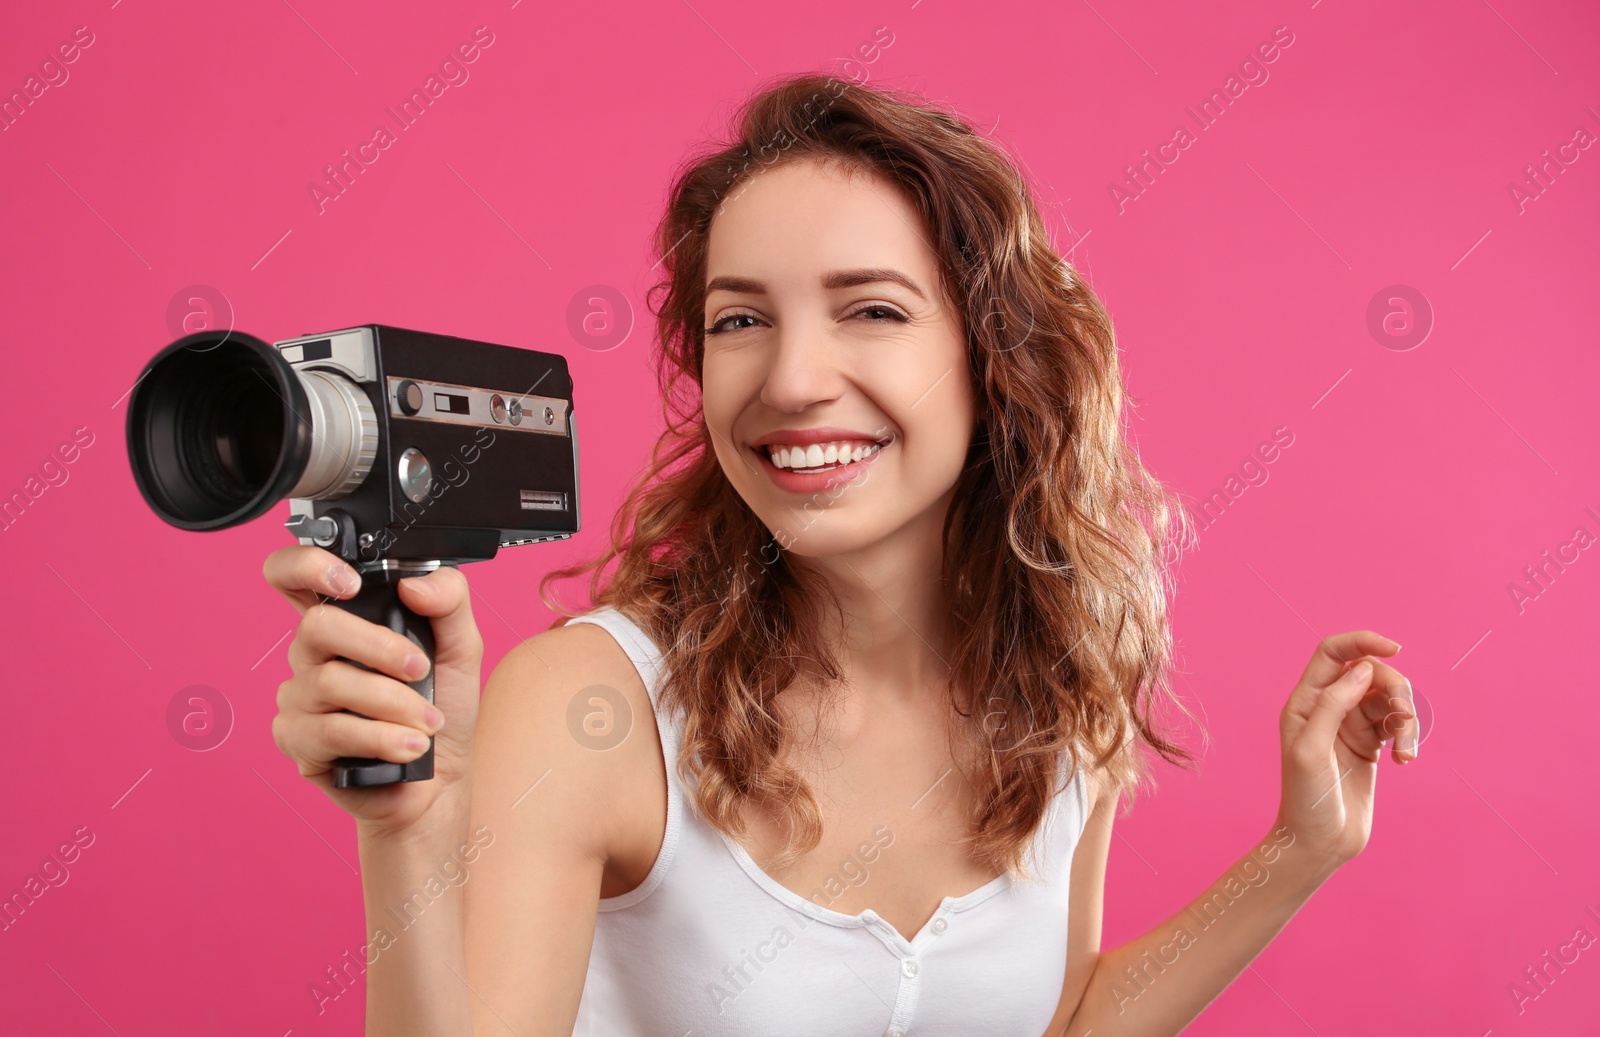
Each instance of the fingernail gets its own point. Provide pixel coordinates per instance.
(416, 665)
(1362, 671)
(420, 585)
(418, 742)
(432, 717)
(343, 579)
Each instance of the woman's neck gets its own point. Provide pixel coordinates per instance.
(893, 640)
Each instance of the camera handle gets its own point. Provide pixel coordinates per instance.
(379, 602)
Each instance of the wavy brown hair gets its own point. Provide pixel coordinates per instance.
(1057, 598)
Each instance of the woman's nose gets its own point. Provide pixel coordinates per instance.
(803, 369)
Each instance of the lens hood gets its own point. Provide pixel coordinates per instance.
(218, 430)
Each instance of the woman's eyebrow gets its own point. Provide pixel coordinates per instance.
(833, 279)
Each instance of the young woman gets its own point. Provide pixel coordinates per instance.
(839, 746)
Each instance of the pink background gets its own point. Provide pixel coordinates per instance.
(1420, 482)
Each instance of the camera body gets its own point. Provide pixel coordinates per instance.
(398, 450)
(476, 447)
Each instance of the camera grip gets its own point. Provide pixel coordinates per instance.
(379, 602)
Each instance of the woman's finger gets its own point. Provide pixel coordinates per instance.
(1333, 704)
(1391, 708)
(336, 685)
(328, 632)
(1334, 654)
(309, 576)
(315, 740)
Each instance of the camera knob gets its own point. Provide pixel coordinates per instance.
(320, 531)
(409, 395)
(416, 475)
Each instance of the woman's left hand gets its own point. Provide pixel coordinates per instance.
(1347, 704)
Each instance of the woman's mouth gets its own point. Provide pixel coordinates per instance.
(819, 457)
(817, 466)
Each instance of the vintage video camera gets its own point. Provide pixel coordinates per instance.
(400, 451)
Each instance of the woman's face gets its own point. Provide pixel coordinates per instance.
(836, 384)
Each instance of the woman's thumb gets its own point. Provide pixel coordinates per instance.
(444, 598)
(1335, 703)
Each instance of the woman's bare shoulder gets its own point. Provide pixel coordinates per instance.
(575, 651)
(567, 707)
(1097, 782)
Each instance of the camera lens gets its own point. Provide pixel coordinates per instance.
(221, 428)
(233, 436)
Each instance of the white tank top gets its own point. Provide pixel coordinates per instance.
(709, 945)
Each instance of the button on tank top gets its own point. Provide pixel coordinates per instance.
(710, 945)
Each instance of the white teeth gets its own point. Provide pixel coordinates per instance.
(818, 454)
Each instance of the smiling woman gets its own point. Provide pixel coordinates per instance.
(883, 383)
(893, 577)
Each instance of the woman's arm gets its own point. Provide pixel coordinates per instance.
(1157, 984)
(559, 809)
(482, 924)
(415, 930)
(405, 832)
(1346, 705)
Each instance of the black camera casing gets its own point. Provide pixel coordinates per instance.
(493, 425)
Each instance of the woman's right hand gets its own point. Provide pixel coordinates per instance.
(311, 728)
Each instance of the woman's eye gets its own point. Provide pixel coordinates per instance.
(876, 314)
(717, 326)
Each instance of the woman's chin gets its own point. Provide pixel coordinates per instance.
(824, 539)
